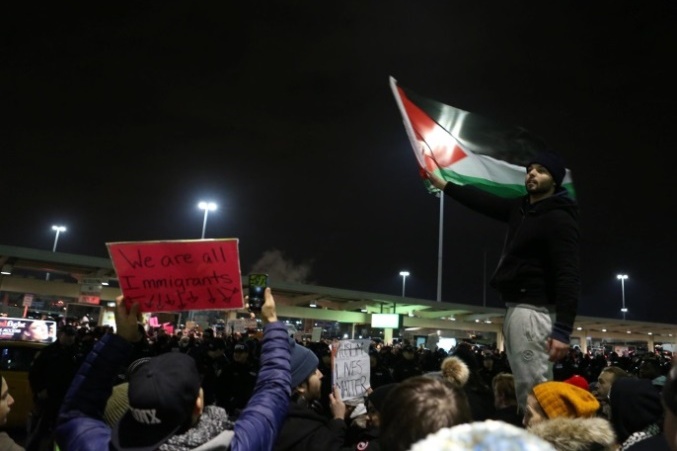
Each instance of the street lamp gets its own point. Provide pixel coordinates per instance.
(207, 207)
(404, 275)
(58, 229)
(622, 278)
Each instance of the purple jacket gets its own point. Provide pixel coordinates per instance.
(81, 426)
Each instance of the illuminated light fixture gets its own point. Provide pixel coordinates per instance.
(104, 283)
(579, 328)
(650, 333)
(477, 321)
(313, 304)
(628, 332)
(364, 310)
(624, 310)
(411, 314)
(603, 330)
(488, 321)
(6, 269)
(452, 318)
(110, 304)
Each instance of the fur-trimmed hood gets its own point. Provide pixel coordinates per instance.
(577, 434)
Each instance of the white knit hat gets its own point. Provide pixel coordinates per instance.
(487, 435)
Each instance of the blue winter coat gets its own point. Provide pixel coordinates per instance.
(81, 426)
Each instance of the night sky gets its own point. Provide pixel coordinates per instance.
(119, 118)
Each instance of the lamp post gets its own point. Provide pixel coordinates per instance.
(404, 275)
(207, 207)
(58, 229)
(622, 278)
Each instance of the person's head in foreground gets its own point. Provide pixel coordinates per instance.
(545, 174)
(635, 407)
(165, 399)
(306, 378)
(549, 400)
(375, 401)
(6, 402)
(669, 396)
(419, 406)
(503, 386)
(606, 379)
(486, 435)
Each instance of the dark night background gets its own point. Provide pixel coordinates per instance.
(118, 118)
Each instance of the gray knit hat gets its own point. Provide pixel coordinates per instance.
(303, 363)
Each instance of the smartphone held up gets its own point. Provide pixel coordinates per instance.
(257, 287)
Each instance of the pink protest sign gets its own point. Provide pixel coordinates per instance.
(167, 276)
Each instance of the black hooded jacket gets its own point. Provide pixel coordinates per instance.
(539, 263)
(306, 430)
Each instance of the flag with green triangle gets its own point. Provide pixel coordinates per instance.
(467, 148)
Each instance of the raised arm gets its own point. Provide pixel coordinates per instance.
(259, 423)
(80, 425)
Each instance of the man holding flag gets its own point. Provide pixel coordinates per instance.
(477, 162)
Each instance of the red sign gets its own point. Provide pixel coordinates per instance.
(85, 299)
(165, 276)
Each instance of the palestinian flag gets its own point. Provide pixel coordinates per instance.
(466, 148)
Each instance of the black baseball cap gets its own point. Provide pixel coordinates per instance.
(162, 394)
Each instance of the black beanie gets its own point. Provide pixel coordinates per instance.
(378, 396)
(553, 163)
(635, 404)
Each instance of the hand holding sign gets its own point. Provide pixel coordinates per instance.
(127, 321)
(179, 275)
(336, 404)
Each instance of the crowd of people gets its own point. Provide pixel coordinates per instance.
(93, 386)
(127, 392)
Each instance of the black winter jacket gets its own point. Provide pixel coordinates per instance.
(539, 263)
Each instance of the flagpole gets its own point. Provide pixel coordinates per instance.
(484, 277)
(439, 249)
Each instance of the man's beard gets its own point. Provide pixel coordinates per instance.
(537, 188)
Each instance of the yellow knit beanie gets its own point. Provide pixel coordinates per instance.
(561, 399)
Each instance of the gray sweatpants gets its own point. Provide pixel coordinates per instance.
(526, 330)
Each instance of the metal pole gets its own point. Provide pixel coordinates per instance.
(439, 249)
(56, 240)
(204, 223)
(484, 278)
(404, 279)
(623, 294)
